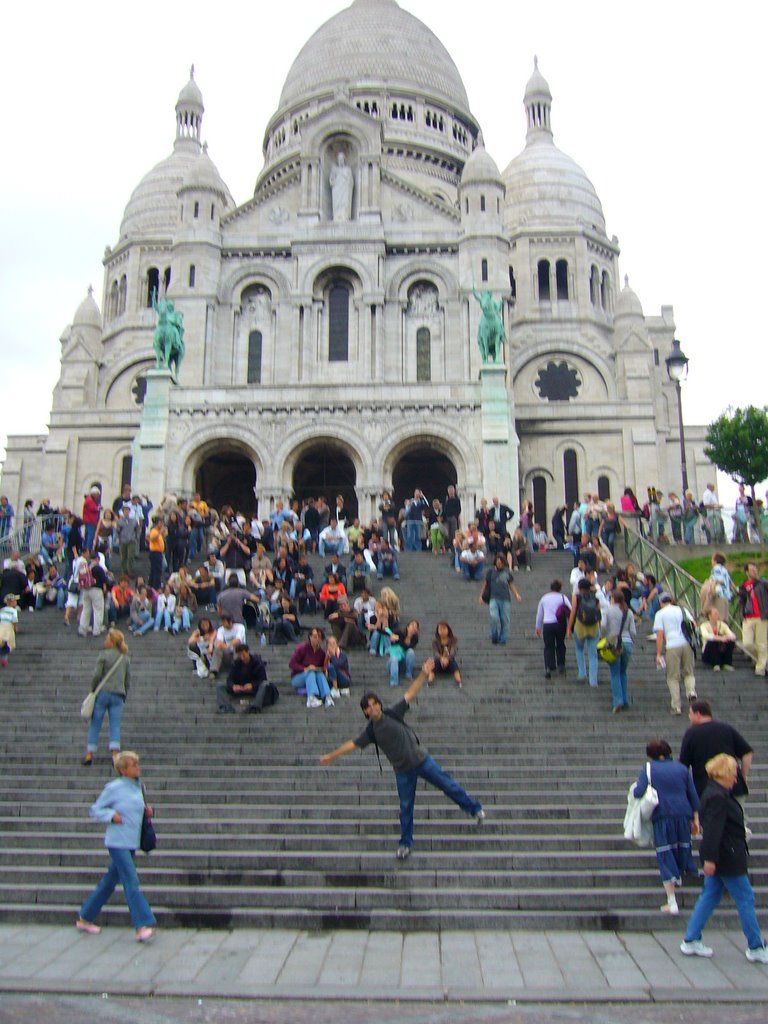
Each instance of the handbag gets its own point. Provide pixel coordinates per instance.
(485, 597)
(148, 838)
(610, 650)
(649, 801)
(86, 708)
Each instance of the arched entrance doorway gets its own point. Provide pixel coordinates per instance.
(326, 469)
(228, 478)
(426, 468)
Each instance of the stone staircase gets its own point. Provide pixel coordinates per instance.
(252, 831)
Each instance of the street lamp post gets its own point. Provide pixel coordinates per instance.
(677, 371)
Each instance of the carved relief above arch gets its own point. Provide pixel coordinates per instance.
(238, 280)
(422, 270)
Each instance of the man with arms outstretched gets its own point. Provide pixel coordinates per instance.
(409, 760)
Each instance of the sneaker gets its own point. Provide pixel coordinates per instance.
(758, 956)
(344, 692)
(670, 908)
(727, 668)
(696, 948)
(403, 852)
(480, 817)
(716, 668)
(314, 702)
(329, 701)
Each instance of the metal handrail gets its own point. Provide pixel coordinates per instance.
(28, 538)
(676, 581)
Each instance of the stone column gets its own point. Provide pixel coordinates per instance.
(150, 451)
(500, 441)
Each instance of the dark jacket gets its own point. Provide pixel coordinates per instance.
(722, 824)
(761, 593)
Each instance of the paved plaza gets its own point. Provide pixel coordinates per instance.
(501, 967)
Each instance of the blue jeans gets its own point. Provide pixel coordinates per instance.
(528, 534)
(471, 570)
(619, 678)
(590, 642)
(413, 535)
(375, 643)
(313, 681)
(431, 772)
(146, 623)
(196, 541)
(501, 617)
(61, 599)
(110, 704)
(385, 568)
(90, 533)
(123, 870)
(329, 547)
(711, 894)
(400, 668)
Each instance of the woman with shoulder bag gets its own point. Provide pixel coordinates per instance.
(122, 808)
(675, 818)
(619, 625)
(552, 616)
(111, 678)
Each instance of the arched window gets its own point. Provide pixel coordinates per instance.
(196, 214)
(561, 277)
(423, 355)
(540, 501)
(594, 286)
(603, 488)
(153, 284)
(192, 275)
(484, 270)
(113, 301)
(570, 477)
(544, 293)
(338, 323)
(482, 204)
(605, 291)
(126, 470)
(254, 357)
(123, 296)
(512, 284)
(167, 278)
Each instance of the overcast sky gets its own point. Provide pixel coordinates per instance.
(662, 104)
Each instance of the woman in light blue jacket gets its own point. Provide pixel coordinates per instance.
(121, 806)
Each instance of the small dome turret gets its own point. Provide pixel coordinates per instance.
(189, 112)
(87, 313)
(203, 176)
(628, 305)
(481, 168)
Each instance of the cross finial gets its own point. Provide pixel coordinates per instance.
(192, 71)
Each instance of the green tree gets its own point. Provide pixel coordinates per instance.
(737, 443)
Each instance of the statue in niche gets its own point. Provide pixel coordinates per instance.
(342, 186)
(169, 335)
(422, 300)
(490, 331)
(258, 303)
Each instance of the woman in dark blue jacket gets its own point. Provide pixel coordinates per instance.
(674, 820)
(724, 856)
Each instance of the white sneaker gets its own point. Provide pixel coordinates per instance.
(480, 816)
(344, 693)
(696, 948)
(758, 956)
(314, 702)
(329, 701)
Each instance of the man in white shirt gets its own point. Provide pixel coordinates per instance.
(332, 540)
(578, 574)
(668, 627)
(228, 636)
(713, 522)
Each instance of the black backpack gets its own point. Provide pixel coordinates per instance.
(588, 612)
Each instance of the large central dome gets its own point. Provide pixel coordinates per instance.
(375, 42)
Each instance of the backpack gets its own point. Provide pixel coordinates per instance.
(588, 612)
(85, 578)
(688, 630)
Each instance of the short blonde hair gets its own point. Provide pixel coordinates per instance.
(124, 758)
(720, 765)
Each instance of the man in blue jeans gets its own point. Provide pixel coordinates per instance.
(389, 733)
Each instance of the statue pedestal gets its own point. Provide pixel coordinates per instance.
(149, 447)
(501, 474)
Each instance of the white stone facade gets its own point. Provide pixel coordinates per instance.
(341, 353)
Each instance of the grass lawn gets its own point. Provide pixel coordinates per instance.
(700, 568)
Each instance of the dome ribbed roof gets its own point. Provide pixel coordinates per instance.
(481, 167)
(87, 313)
(154, 206)
(374, 42)
(546, 187)
(203, 174)
(628, 304)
